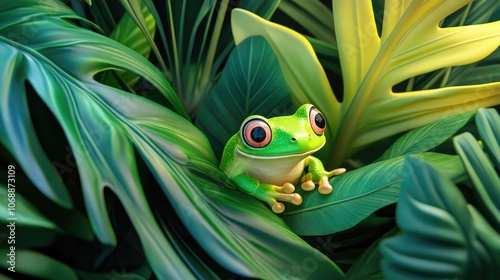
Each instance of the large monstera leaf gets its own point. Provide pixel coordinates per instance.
(412, 42)
(105, 125)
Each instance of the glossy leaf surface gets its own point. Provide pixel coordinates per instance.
(27, 214)
(427, 137)
(358, 194)
(37, 265)
(442, 237)
(128, 32)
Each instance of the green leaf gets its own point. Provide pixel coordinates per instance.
(309, 86)
(128, 33)
(144, 15)
(251, 83)
(312, 15)
(358, 194)
(37, 265)
(17, 133)
(60, 64)
(441, 236)
(25, 213)
(487, 248)
(427, 137)
(488, 122)
(70, 222)
(482, 174)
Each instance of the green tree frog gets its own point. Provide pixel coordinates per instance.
(268, 157)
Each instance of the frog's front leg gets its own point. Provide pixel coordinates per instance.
(318, 175)
(268, 193)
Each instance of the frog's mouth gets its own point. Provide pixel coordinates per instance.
(304, 154)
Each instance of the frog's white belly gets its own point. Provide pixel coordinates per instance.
(276, 171)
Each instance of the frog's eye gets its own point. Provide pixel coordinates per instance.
(256, 133)
(318, 121)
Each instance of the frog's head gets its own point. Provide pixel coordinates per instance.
(300, 134)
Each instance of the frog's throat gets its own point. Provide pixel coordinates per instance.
(280, 156)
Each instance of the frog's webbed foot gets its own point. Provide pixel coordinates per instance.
(319, 177)
(272, 195)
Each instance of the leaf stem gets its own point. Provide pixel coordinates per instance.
(174, 49)
(207, 68)
(409, 86)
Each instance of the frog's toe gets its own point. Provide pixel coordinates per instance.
(336, 172)
(293, 198)
(296, 199)
(278, 207)
(308, 185)
(286, 188)
(324, 186)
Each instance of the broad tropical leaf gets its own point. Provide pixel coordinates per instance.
(427, 137)
(442, 236)
(251, 83)
(130, 34)
(36, 265)
(48, 61)
(441, 231)
(488, 121)
(27, 214)
(479, 167)
(357, 194)
(411, 43)
(482, 173)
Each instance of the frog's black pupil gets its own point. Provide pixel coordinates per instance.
(258, 134)
(320, 120)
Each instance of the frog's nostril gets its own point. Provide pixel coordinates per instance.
(293, 139)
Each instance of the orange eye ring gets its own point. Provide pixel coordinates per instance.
(256, 133)
(317, 121)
